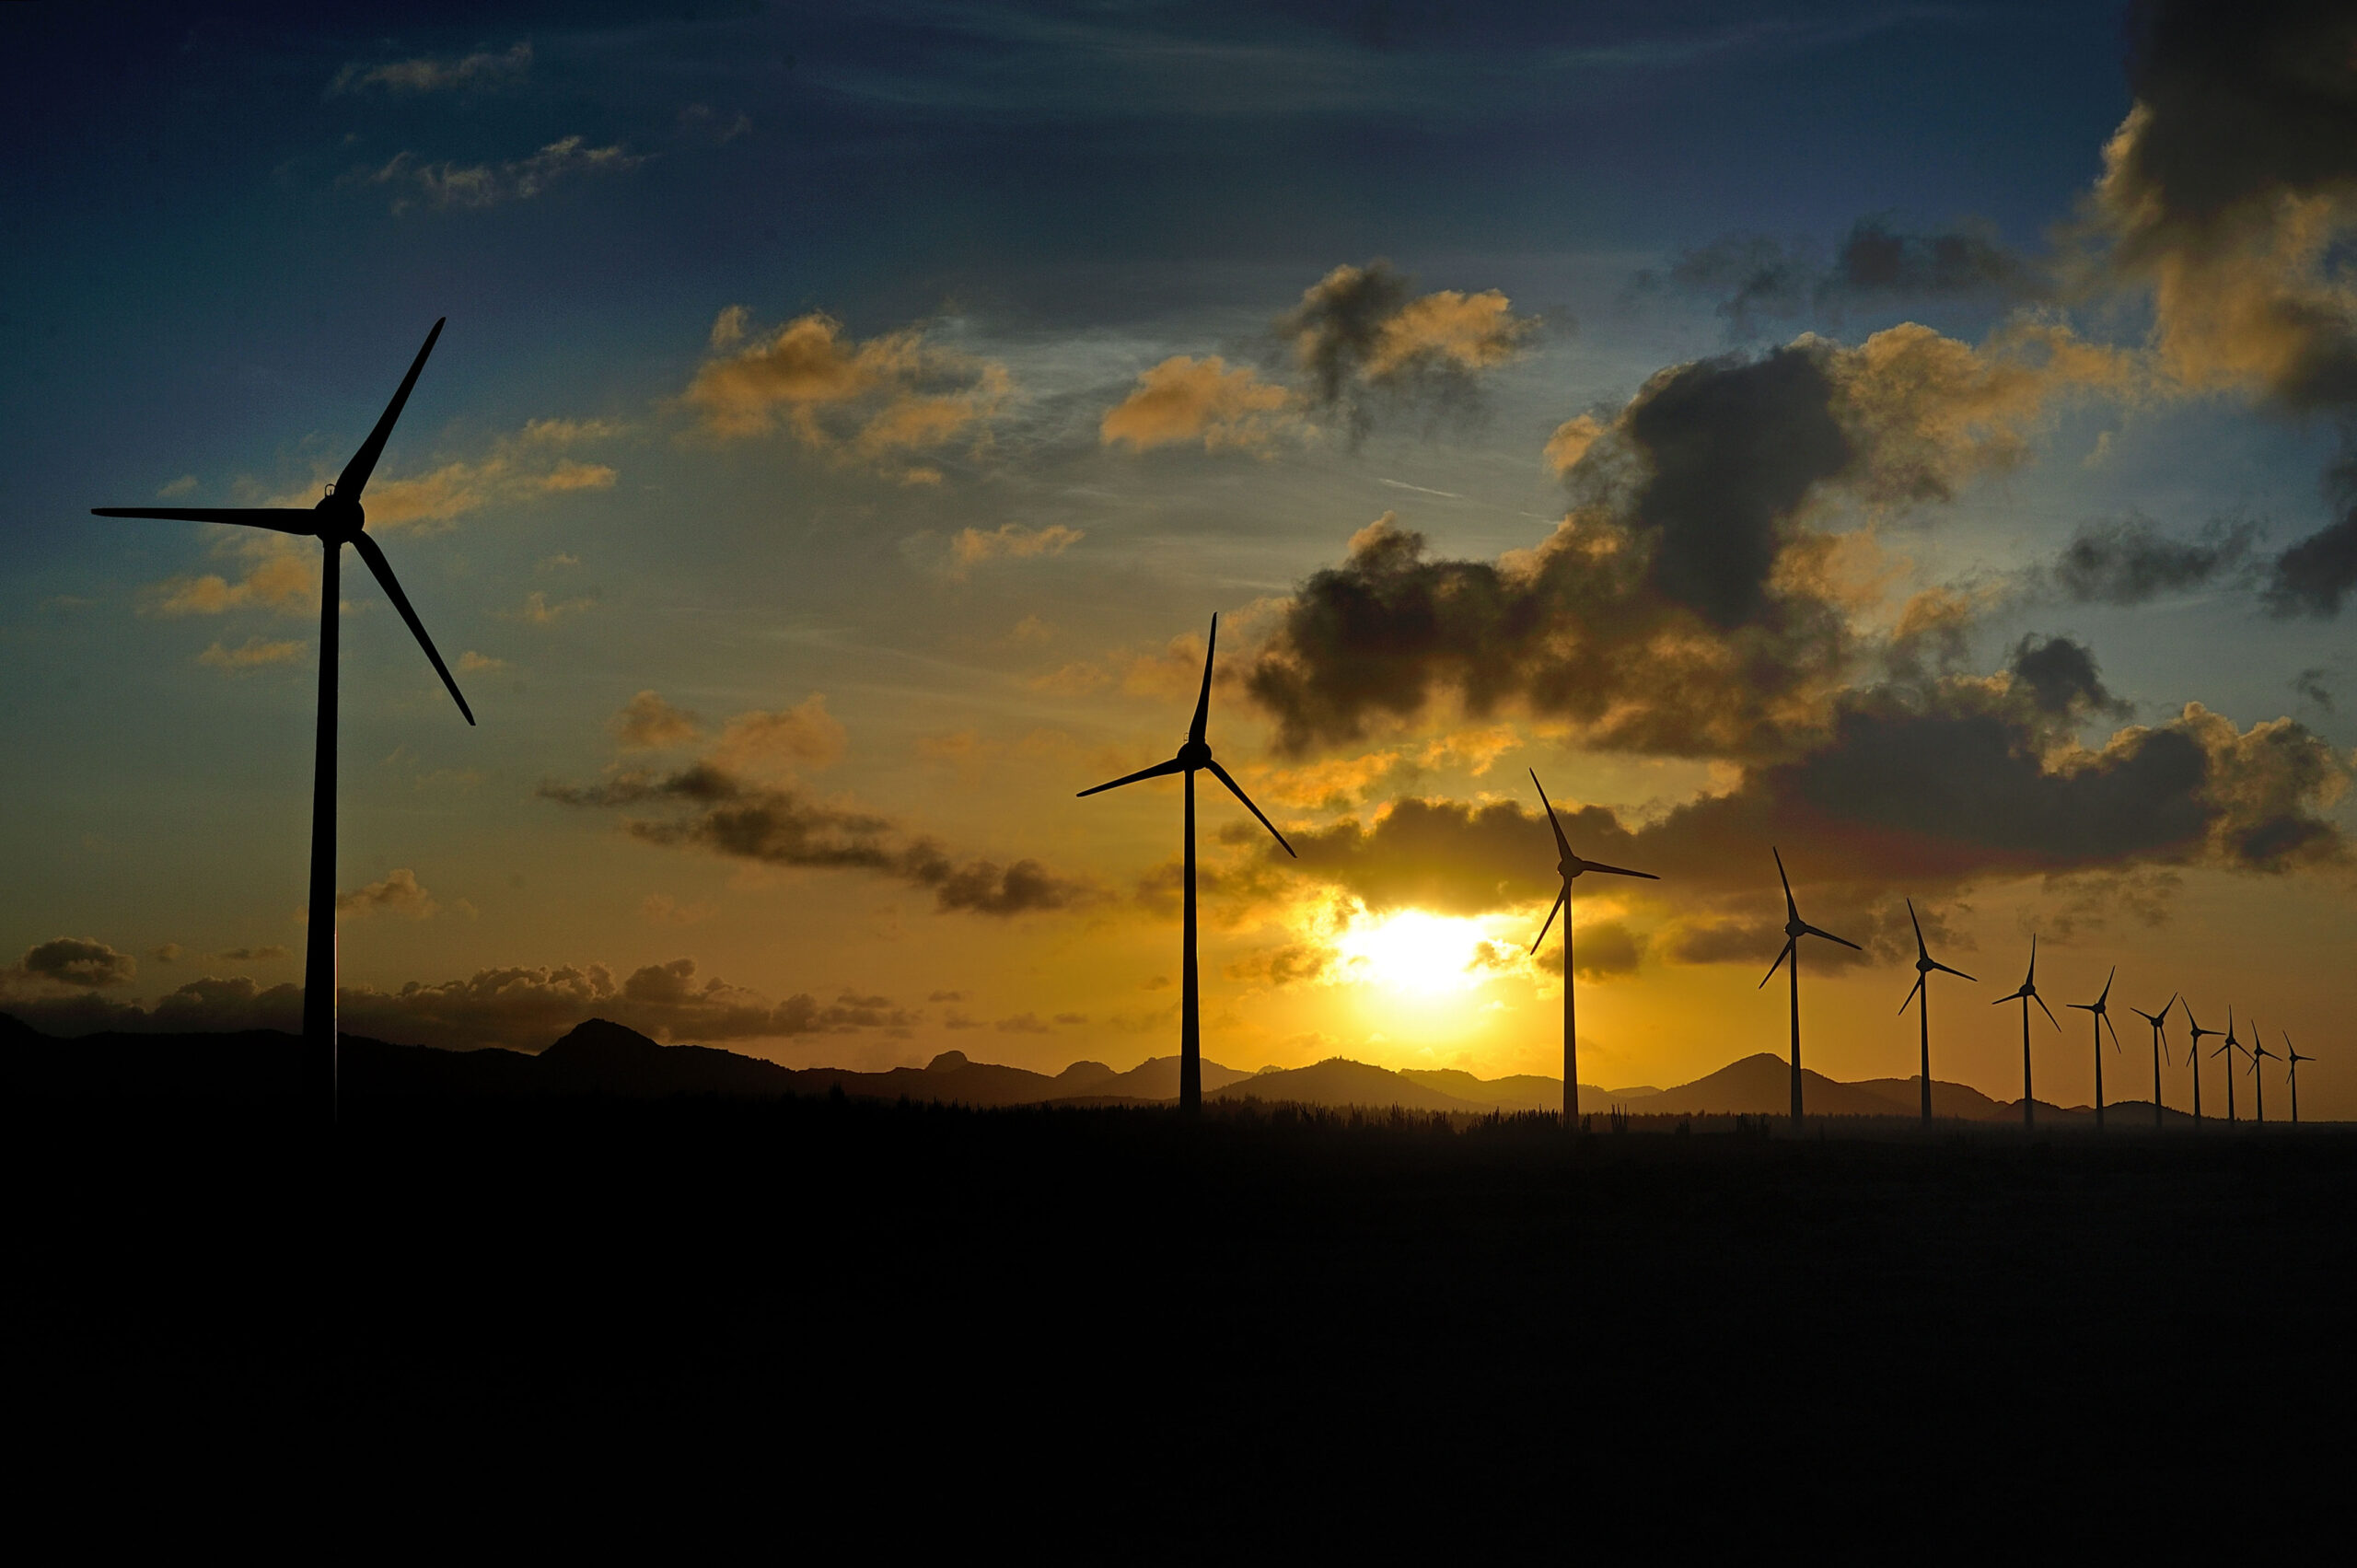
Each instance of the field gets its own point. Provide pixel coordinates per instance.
(1271, 1321)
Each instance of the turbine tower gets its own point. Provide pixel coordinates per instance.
(1794, 929)
(335, 521)
(1194, 755)
(2292, 1060)
(2232, 1044)
(2160, 1043)
(2257, 1084)
(2026, 995)
(1570, 866)
(1924, 965)
(2102, 1020)
(2193, 1058)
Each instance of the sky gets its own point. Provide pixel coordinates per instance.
(1919, 438)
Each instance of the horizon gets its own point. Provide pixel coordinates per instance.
(1924, 444)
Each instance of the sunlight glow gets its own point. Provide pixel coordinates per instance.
(1415, 954)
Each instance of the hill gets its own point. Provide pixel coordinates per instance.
(1762, 1086)
(1339, 1081)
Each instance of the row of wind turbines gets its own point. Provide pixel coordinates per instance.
(1194, 755)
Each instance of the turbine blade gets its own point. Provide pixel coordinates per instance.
(1619, 871)
(2115, 1032)
(354, 477)
(1787, 953)
(2033, 960)
(280, 519)
(1958, 974)
(1816, 931)
(1562, 844)
(1921, 950)
(1238, 790)
(1548, 925)
(384, 574)
(1910, 996)
(1203, 702)
(1792, 910)
(2045, 1009)
(2106, 985)
(1157, 771)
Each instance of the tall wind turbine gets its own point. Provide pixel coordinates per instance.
(2232, 1045)
(2257, 1085)
(1570, 866)
(2160, 1044)
(335, 521)
(2292, 1060)
(2102, 1021)
(1794, 929)
(1194, 755)
(1924, 965)
(2193, 1057)
(2026, 995)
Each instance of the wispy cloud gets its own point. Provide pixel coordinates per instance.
(449, 183)
(252, 655)
(427, 74)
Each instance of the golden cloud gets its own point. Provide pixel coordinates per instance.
(971, 547)
(647, 723)
(253, 655)
(1184, 398)
(770, 744)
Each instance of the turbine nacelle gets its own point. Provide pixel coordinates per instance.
(340, 517)
(1194, 756)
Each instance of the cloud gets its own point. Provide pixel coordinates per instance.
(472, 187)
(1009, 541)
(471, 662)
(280, 575)
(2313, 576)
(1753, 278)
(270, 954)
(397, 893)
(1186, 400)
(647, 723)
(77, 962)
(167, 953)
(2309, 684)
(1685, 605)
(2130, 562)
(2059, 676)
(1364, 339)
(515, 471)
(425, 74)
(254, 654)
(1024, 1024)
(519, 1007)
(725, 815)
(184, 485)
(772, 744)
(538, 611)
(875, 402)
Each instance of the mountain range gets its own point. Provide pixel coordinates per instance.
(601, 1057)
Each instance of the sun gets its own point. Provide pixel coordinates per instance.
(1415, 954)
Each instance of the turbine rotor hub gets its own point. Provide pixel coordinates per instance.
(1195, 755)
(340, 520)
(1795, 928)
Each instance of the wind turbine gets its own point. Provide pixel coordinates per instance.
(2232, 1044)
(2026, 995)
(1924, 965)
(1570, 866)
(2257, 1084)
(335, 520)
(2193, 1057)
(1194, 756)
(2102, 1020)
(2292, 1060)
(1794, 929)
(2160, 1043)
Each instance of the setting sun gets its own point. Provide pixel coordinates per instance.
(1414, 954)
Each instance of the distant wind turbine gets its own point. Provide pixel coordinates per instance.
(2102, 1021)
(1194, 756)
(2292, 1060)
(2259, 1051)
(2026, 995)
(2193, 1057)
(1794, 929)
(1924, 965)
(2160, 1044)
(1570, 867)
(2232, 1044)
(335, 521)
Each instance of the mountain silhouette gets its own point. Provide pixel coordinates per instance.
(1758, 1085)
(1340, 1082)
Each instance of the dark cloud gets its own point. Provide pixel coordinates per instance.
(77, 962)
(521, 1008)
(1364, 339)
(716, 811)
(2313, 576)
(2309, 684)
(1605, 950)
(2130, 562)
(1754, 279)
(2061, 676)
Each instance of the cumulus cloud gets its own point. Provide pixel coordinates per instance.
(2130, 562)
(1185, 400)
(721, 813)
(1686, 605)
(449, 184)
(879, 401)
(2315, 575)
(647, 723)
(1364, 339)
(398, 893)
(770, 744)
(483, 68)
(519, 1007)
(78, 962)
(253, 654)
(280, 575)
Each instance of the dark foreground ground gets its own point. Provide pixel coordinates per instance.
(868, 1323)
